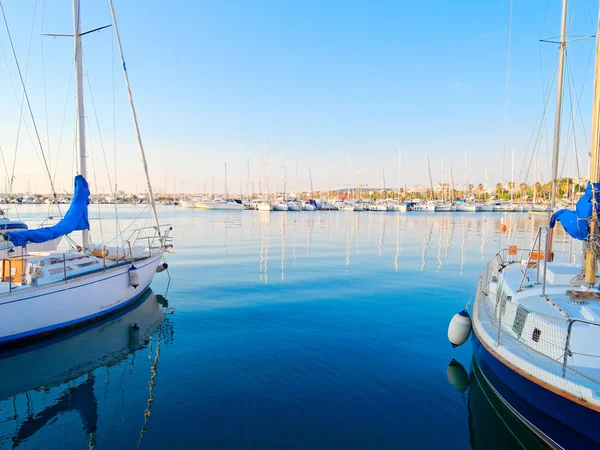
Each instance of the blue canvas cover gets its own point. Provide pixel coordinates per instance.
(576, 223)
(76, 218)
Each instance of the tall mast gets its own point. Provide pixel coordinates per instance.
(485, 180)
(443, 197)
(284, 176)
(399, 169)
(559, 97)
(85, 237)
(466, 164)
(135, 121)
(430, 178)
(512, 175)
(348, 188)
(226, 193)
(591, 262)
(296, 174)
(267, 172)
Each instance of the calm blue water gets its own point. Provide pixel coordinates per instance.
(290, 330)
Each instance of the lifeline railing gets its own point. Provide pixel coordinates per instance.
(543, 341)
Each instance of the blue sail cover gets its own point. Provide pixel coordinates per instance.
(76, 218)
(577, 223)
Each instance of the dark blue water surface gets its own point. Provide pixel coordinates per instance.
(290, 330)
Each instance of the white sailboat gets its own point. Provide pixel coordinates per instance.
(398, 207)
(536, 321)
(307, 205)
(265, 205)
(426, 206)
(465, 206)
(45, 292)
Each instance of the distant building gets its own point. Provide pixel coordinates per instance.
(416, 189)
(443, 188)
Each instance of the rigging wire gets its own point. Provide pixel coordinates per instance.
(113, 193)
(44, 83)
(91, 153)
(506, 90)
(22, 102)
(27, 98)
(62, 127)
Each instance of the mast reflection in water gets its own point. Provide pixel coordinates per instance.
(58, 391)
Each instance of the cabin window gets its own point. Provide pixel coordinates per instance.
(536, 335)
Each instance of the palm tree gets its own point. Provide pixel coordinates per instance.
(499, 189)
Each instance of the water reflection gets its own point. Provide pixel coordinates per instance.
(41, 384)
(459, 239)
(491, 424)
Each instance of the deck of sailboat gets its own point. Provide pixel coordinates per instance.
(547, 333)
(56, 267)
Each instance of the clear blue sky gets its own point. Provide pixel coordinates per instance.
(214, 80)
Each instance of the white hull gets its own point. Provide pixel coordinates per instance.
(220, 205)
(30, 311)
(281, 207)
(523, 208)
(466, 208)
(82, 352)
(503, 207)
(401, 207)
(423, 208)
(294, 207)
(379, 208)
(539, 208)
(358, 207)
(264, 207)
(484, 208)
(328, 207)
(308, 207)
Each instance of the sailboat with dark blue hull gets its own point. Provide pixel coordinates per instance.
(536, 319)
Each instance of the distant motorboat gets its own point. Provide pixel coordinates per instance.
(228, 204)
(358, 207)
(346, 207)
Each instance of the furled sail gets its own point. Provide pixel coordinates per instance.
(577, 223)
(76, 218)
